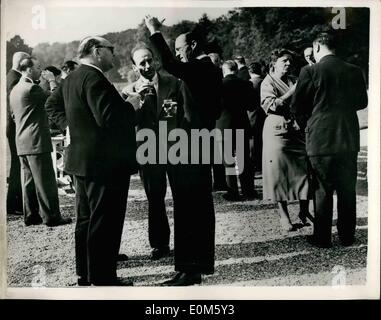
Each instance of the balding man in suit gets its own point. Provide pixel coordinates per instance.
(34, 147)
(194, 217)
(14, 194)
(327, 96)
(101, 157)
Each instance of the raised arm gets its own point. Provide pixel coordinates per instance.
(170, 63)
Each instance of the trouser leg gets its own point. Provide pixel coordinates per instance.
(324, 184)
(81, 227)
(226, 146)
(30, 202)
(155, 186)
(246, 167)
(194, 219)
(107, 202)
(346, 196)
(46, 186)
(14, 192)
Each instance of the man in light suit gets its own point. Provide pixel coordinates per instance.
(327, 96)
(101, 157)
(34, 145)
(149, 112)
(194, 217)
(14, 193)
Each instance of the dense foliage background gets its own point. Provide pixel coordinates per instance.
(251, 32)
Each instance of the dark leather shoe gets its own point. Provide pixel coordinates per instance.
(122, 257)
(183, 279)
(303, 216)
(158, 253)
(347, 243)
(59, 222)
(220, 187)
(15, 213)
(250, 195)
(33, 221)
(118, 282)
(83, 282)
(231, 197)
(313, 241)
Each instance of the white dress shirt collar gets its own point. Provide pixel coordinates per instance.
(16, 70)
(28, 78)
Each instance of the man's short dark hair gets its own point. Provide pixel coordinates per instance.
(231, 65)
(56, 72)
(26, 63)
(86, 45)
(326, 39)
(139, 46)
(69, 65)
(255, 67)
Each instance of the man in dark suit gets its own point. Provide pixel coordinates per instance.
(101, 156)
(150, 114)
(34, 145)
(219, 177)
(256, 117)
(242, 72)
(194, 218)
(327, 96)
(237, 98)
(14, 194)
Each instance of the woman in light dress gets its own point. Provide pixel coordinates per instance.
(284, 161)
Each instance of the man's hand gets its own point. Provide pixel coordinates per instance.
(48, 75)
(143, 88)
(153, 24)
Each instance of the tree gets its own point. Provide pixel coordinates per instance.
(14, 45)
(249, 31)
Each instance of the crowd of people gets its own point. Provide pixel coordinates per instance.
(302, 133)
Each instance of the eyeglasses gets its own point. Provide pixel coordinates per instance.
(108, 47)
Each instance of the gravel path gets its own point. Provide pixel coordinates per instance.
(251, 249)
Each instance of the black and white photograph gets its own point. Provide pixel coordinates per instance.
(219, 147)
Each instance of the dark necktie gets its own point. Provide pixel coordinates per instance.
(150, 99)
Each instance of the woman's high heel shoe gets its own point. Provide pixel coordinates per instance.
(303, 216)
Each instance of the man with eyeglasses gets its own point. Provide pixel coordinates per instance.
(101, 156)
(194, 217)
